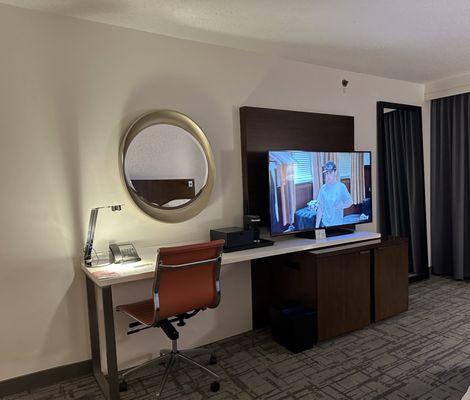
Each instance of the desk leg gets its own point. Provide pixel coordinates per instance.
(111, 356)
(108, 384)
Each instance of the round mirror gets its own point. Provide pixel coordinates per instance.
(167, 165)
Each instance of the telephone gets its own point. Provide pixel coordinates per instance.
(123, 253)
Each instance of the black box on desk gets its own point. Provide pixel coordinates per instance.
(293, 326)
(233, 236)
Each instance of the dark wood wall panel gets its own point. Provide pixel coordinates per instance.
(264, 129)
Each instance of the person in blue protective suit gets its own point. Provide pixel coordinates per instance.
(332, 198)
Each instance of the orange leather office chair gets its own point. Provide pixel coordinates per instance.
(186, 282)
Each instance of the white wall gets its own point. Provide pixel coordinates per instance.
(450, 86)
(68, 91)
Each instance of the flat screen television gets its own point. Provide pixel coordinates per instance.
(309, 190)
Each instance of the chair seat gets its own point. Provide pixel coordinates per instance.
(141, 311)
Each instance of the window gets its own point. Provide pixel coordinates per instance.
(303, 167)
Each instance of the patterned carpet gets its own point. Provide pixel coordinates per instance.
(422, 354)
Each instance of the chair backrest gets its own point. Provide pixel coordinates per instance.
(187, 279)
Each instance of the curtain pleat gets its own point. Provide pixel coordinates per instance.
(317, 176)
(282, 172)
(402, 184)
(357, 183)
(288, 193)
(450, 185)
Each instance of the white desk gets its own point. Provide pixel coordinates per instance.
(106, 275)
(112, 274)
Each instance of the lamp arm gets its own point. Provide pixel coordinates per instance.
(91, 231)
(90, 235)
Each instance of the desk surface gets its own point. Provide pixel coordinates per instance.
(111, 274)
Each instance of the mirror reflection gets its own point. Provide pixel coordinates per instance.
(165, 166)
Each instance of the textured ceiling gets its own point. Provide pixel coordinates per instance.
(414, 40)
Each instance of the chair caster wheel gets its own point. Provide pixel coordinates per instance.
(123, 386)
(215, 386)
(212, 360)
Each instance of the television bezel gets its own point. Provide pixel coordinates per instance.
(370, 220)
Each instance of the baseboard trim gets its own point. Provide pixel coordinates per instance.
(45, 378)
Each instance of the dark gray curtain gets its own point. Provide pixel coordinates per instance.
(450, 186)
(401, 183)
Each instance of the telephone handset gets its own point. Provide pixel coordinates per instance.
(123, 253)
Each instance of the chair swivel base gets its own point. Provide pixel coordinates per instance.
(169, 358)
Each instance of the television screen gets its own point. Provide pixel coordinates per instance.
(309, 190)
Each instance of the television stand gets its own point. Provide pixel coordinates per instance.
(366, 282)
(329, 232)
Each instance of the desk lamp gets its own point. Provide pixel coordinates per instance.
(91, 231)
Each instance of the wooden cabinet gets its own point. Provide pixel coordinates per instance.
(349, 286)
(343, 293)
(390, 280)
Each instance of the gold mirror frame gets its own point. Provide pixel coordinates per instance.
(175, 118)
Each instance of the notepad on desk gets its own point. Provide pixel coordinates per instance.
(120, 270)
(105, 274)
